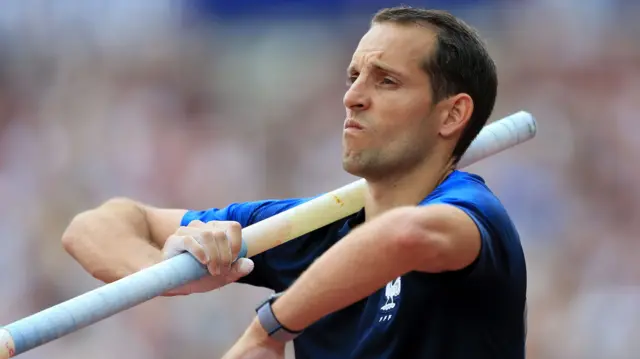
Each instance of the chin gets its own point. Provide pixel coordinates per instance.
(355, 167)
(351, 167)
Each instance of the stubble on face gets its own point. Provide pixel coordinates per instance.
(390, 97)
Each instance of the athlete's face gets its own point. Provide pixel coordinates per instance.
(390, 122)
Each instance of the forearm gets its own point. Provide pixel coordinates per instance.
(102, 239)
(354, 268)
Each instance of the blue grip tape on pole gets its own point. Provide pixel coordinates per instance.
(103, 302)
(243, 250)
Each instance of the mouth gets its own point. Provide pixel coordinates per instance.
(352, 124)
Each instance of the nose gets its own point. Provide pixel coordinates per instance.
(357, 98)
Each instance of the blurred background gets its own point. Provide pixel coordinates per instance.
(200, 103)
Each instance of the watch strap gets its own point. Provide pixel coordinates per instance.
(271, 324)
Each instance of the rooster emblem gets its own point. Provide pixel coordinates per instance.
(392, 290)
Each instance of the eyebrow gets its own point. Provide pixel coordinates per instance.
(381, 66)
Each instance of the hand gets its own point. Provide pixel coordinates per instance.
(256, 344)
(215, 244)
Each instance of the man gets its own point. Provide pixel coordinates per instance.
(432, 267)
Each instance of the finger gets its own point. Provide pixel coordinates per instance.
(172, 247)
(196, 223)
(234, 235)
(219, 241)
(208, 242)
(191, 229)
(231, 256)
(179, 244)
(239, 269)
(226, 253)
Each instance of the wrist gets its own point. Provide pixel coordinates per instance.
(256, 331)
(286, 318)
(270, 324)
(257, 335)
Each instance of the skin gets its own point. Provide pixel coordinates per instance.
(406, 137)
(402, 145)
(402, 148)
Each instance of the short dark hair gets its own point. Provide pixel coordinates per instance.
(459, 64)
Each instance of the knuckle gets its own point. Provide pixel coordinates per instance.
(172, 241)
(190, 242)
(187, 241)
(234, 226)
(219, 235)
(207, 236)
(210, 242)
(194, 247)
(196, 223)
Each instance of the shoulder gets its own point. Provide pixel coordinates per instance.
(501, 248)
(245, 213)
(470, 193)
(464, 186)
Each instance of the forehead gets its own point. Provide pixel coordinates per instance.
(397, 45)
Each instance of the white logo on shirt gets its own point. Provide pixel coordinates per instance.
(392, 292)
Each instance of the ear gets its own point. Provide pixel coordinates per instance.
(458, 114)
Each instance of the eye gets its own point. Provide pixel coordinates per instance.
(388, 81)
(351, 79)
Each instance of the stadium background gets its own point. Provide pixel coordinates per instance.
(202, 103)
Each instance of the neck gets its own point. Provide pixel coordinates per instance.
(405, 189)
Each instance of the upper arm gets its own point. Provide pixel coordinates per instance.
(468, 231)
(449, 238)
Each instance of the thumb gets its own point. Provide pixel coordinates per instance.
(241, 268)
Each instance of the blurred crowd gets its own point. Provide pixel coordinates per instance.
(197, 105)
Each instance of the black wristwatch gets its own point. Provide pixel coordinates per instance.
(271, 324)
